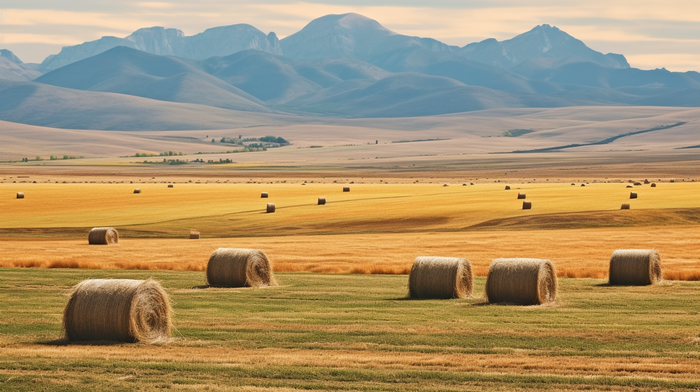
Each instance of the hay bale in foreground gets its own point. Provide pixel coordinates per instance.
(625, 206)
(440, 277)
(137, 190)
(637, 267)
(194, 234)
(239, 268)
(527, 205)
(322, 201)
(263, 195)
(103, 236)
(270, 208)
(20, 195)
(521, 281)
(633, 195)
(346, 189)
(123, 310)
(521, 196)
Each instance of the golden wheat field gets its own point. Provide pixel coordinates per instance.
(374, 228)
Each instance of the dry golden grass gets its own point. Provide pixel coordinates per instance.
(575, 253)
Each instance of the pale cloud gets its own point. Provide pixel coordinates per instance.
(645, 31)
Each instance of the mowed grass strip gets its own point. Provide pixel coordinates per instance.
(359, 332)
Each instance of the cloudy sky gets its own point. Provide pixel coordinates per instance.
(650, 33)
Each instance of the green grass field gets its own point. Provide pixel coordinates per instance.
(358, 332)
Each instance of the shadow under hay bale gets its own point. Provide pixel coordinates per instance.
(635, 267)
(20, 195)
(521, 281)
(122, 310)
(440, 277)
(527, 205)
(322, 201)
(194, 234)
(103, 236)
(239, 268)
(137, 190)
(270, 208)
(633, 195)
(625, 206)
(263, 195)
(346, 189)
(521, 196)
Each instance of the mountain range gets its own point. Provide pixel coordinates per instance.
(338, 65)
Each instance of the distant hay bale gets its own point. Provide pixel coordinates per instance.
(440, 277)
(123, 310)
(625, 206)
(653, 185)
(637, 184)
(629, 186)
(137, 190)
(346, 189)
(572, 184)
(521, 281)
(103, 236)
(239, 268)
(194, 234)
(322, 201)
(521, 196)
(270, 208)
(171, 186)
(646, 181)
(638, 267)
(633, 195)
(20, 195)
(263, 195)
(583, 184)
(507, 187)
(672, 180)
(527, 205)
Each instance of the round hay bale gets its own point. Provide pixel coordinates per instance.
(521, 281)
(20, 195)
(633, 195)
(527, 205)
(194, 234)
(440, 277)
(263, 195)
(583, 184)
(322, 201)
(625, 206)
(137, 190)
(103, 236)
(171, 186)
(270, 208)
(572, 184)
(507, 187)
(346, 189)
(636, 267)
(637, 184)
(123, 310)
(653, 185)
(629, 186)
(521, 196)
(239, 268)
(646, 181)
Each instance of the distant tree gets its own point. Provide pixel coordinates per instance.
(213, 140)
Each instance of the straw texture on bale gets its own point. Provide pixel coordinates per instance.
(521, 196)
(527, 205)
(521, 281)
(103, 236)
(346, 189)
(123, 310)
(625, 206)
(194, 234)
(263, 195)
(20, 195)
(137, 190)
(322, 201)
(507, 187)
(633, 195)
(270, 208)
(440, 277)
(638, 267)
(239, 268)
